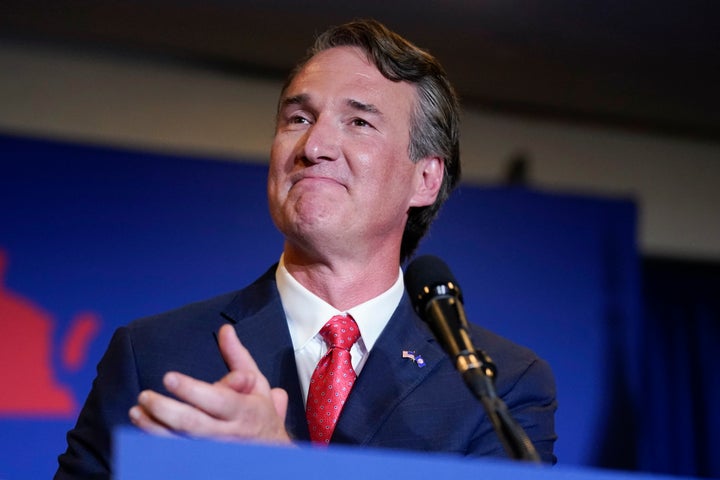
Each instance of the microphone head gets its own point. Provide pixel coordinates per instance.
(428, 277)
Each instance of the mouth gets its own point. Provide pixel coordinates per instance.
(304, 177)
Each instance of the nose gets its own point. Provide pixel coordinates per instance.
(321, 142)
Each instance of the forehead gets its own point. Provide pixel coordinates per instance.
(347, 72)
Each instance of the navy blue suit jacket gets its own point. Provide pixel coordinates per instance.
(394, 403)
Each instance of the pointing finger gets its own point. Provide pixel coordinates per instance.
(213, 399)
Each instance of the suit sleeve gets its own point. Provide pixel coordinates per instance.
(114, 391)
(532, 403)
(531, 400)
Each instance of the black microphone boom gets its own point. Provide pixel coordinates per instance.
(437, 299)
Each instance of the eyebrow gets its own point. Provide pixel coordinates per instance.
(294, 100)
(364, 107)
(304, 98)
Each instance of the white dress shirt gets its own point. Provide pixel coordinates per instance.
(306, 313)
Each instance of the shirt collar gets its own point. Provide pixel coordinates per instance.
(307, 313)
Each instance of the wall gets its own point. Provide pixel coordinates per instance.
(119, 100)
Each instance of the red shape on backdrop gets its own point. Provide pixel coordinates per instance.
(84, 328)
(26, 370)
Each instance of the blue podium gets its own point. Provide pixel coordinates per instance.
(143, 457)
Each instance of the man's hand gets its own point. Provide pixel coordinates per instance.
(240, 406)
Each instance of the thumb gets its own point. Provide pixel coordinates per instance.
(236, 356)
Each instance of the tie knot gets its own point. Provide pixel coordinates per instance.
(340, 331)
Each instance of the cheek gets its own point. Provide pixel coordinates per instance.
(281, 161)
(283, 146)
(389, 167)
(277, 185)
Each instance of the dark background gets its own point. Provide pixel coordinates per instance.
(645, 65)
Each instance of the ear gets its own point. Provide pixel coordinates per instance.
(429, 175)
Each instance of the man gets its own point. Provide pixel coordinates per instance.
(365, 152)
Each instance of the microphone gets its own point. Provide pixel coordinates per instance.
(437, 299)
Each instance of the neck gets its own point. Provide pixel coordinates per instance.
(345, 282)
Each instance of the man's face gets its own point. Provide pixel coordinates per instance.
(340, 176)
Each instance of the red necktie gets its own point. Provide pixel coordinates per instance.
(332, 379)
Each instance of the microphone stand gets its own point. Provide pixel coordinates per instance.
(479, 375)
(439, 303)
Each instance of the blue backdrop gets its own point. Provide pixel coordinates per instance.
(91, 238)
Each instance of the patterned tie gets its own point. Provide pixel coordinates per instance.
(332, 379)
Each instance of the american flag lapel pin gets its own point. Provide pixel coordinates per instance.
(417, 359)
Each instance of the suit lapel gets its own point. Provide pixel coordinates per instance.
(385, 381)
(387, 378)
(261, 326)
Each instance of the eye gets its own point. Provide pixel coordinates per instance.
(296, 120)
(299, 119)
(359, 122)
